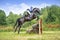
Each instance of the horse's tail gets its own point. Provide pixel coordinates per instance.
(15, 24)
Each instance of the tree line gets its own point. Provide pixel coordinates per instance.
(51, 14)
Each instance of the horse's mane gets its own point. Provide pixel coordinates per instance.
(36, 9)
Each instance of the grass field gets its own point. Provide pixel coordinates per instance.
(47, 35)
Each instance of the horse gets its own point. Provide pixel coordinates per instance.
(26, 18)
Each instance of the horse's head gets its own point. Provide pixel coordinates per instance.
(36, 11)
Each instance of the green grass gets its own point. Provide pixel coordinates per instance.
(47, 35)
(6, 33)
(15, 36)
(51, 35)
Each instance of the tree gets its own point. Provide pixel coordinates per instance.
(51, 14)
(2, 17)
(56, 12)
(11, 18)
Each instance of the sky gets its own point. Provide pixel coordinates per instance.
(19, 6)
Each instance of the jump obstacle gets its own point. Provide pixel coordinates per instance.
(38, 28)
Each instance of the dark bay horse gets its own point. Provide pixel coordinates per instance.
(28, 17)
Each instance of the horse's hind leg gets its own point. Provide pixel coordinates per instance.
(19, 29)
(16, 28)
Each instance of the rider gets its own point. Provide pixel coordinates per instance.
(30, 10)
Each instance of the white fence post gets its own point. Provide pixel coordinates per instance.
(40, 26)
